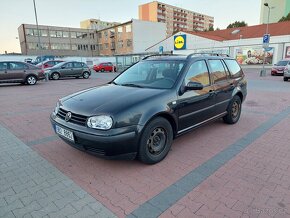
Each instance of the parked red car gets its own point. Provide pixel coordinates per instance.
(50, 63)
(108, 66)
(279, 68)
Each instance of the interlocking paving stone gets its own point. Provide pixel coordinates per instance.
(31, 187)
(165, 199)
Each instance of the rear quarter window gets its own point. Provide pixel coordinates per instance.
(234, 68)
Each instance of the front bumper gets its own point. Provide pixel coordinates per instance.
(121, 143)
(276, 72)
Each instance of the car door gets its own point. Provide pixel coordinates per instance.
(78, 69)
(196, 106)
(223, 85)
(67, 69)
(17, 71)
(3, 71)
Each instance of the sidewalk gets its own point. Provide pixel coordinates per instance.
(32, 187)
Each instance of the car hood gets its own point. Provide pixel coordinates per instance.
(107, 99)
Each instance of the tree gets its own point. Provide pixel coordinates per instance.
(210, 28)
(237, 24)
(285, 18)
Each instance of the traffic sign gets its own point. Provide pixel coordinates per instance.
(266, 40)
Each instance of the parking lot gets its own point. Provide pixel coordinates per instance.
(218, 170)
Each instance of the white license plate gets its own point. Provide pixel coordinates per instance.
(64, 132)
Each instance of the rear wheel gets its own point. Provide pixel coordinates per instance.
(155, 141)
(234, 111)
(285, 79)
(86, 75)
(31, 80)
(102, 70)
(55, 76)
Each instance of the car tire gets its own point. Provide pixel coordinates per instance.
(102, 70)
(155, 141)
(55, 76)
(285, 79)
(233, 111)
(86, 75)
(31, 80)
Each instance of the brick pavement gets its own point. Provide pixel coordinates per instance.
(32, 187)
(125, 186)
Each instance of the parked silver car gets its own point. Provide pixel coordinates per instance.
(69, 69)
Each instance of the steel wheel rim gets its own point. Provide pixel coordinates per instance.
(157, 141)
(31, 80)
(235, 109)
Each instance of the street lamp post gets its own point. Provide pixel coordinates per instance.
(263, 72)
(35, 13)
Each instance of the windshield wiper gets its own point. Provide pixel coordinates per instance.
(132, 85)
(113, 83)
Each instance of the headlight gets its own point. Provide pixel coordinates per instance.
(100, 122)
(56, 108)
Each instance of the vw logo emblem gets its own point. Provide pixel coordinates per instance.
(67, 116)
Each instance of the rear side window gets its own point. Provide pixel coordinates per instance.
(78, 65)
(218, 72)
(198, 72)
(17, 66)
(3, 66)
(234, 68)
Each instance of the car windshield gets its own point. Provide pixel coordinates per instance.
(151, 74)
(282, 63)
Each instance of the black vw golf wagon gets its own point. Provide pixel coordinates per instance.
(142, 110)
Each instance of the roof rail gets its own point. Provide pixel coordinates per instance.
(158, 55)
(206, 54)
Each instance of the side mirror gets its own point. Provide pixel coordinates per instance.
(193, 86)
(62, 67)
(275, 64)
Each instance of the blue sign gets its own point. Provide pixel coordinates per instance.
(266, 38)
(180, 42)
(161, 49)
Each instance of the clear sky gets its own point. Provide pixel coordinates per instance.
(71, 12)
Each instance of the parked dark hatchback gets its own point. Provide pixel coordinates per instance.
(19, 72)
(140, 112)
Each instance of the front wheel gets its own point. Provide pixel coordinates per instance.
(234, 111)
(55, 76)
(155, 141)
(31, 80)
(285, 79)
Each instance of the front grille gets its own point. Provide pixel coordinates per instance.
(75, 118)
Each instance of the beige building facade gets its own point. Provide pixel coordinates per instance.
(130, 37)
(175, 18)
(96, 24)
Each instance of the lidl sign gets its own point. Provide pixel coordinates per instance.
(180, 42)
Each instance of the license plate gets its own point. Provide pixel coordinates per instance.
(64, 132)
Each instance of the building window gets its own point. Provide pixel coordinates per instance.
(65, 34)
(128, 28)
(59, 34)
(129, 42)
(106, 45)
(73, 35)
(32, 46)
(29, 32)
(100, 35)
(100, 47)
(106, 34)
(52, 33)
(43, 33)
(120, 44)
(120, 29)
